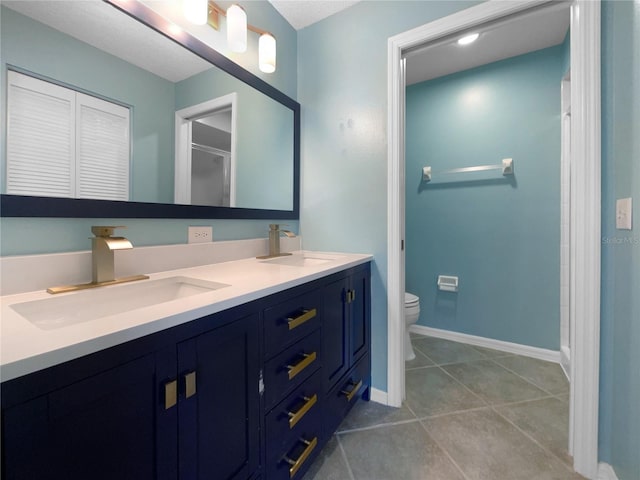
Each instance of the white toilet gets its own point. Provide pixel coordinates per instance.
(411, 315)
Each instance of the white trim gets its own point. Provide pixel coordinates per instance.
(586, 183)
(379, 396)
(395, 227)
(585, 129)
(183, 117)
(606, 472)
(509, 347)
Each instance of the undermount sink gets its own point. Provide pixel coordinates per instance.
(302, 260)
(87, 305)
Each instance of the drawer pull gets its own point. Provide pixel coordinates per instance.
(308, 359)
(296, 464)
(170, 394)
(300, 319)
(297, 416)
(190, 384)
(351, 393)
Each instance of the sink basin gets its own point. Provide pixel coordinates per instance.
(62, 311)
(302, 260)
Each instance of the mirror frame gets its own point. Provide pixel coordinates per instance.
(33, 206)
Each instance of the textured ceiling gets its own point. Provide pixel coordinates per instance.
(302, 13)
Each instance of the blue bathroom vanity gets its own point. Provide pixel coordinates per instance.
(253, 388)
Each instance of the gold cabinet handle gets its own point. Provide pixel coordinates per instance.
(190, 384)
(295, 417)
(296, 464)
(308, 359)
(299, 320)
(351, 296)
(351, 393)
(170, 394)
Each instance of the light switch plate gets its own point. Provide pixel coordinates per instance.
(200, 234)
(623, 214)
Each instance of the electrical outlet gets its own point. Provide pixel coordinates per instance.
(623, 214)
(200, 234)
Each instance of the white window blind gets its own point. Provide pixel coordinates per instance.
(103, 149)
(40, 138)
(62, 143)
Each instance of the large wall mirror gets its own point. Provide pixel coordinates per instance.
(149, 121)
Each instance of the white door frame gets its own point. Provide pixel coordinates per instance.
(586, 192)
(183, 119)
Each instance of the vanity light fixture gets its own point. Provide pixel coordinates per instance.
(267, 53)
(237, 28)
(467, 39)
(196, 11)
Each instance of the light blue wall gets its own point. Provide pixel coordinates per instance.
(50, 53)
(499, 234)
(342, 87)
(22, 236)
(620, 312)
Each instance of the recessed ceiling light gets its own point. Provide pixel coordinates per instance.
(468, 39)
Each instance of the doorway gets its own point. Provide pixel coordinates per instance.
(585, 204)
(205, 168)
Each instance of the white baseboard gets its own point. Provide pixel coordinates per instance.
(379, 396)
(606, 472)
(518, 349)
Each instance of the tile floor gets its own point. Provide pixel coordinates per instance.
(471, 413)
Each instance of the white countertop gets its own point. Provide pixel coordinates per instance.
(26, 348)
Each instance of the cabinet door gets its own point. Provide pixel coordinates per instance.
(335, 331)
(359, 305)
(219, 402)
(103, 427)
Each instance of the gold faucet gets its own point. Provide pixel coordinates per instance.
(103, 245)
(274, 241)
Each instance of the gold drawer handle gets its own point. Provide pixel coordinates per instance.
(350, 394)
(296, 464)
(170, 394)
(299, 320)
(297, 416)
(308, 359)
(190, 384)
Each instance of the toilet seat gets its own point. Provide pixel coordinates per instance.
(410, 299)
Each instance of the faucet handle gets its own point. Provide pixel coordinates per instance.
(104, 230)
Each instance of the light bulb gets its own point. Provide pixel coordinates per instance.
(267, 53)
(196, 11)
(236, 28)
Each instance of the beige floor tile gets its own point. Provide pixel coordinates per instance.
(330, 464)
(368, 414)
(493, 383)
(397, 452)
(487, 447)
(546, 420)
(430, 391)
(490, 352)
(420, 361)
(445, 351)
(546, 375)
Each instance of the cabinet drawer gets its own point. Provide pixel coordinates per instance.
(294, 458)
(345, 394)
(290, 368)
(295, 414)
(289, 321)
